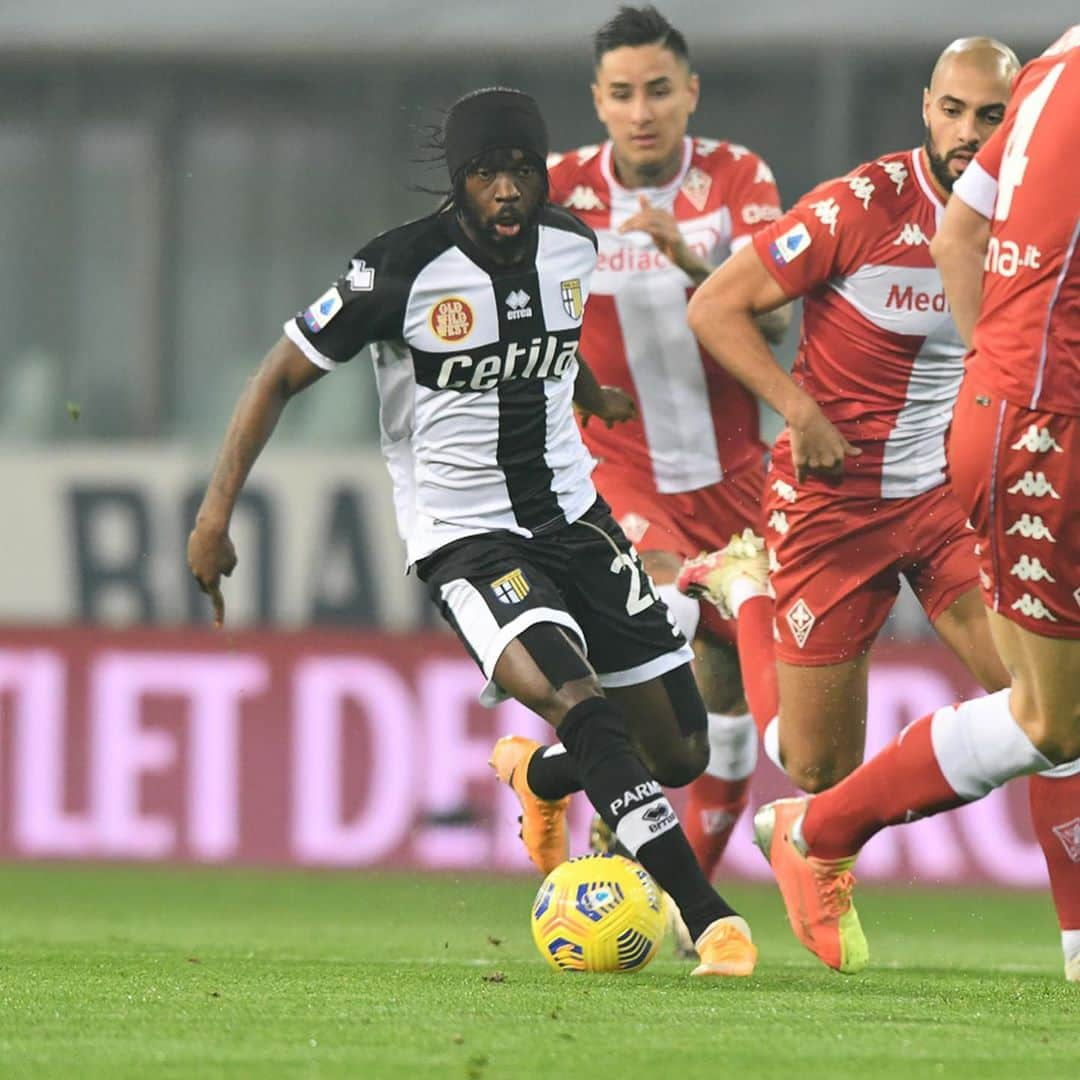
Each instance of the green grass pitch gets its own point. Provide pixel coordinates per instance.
(120, 972)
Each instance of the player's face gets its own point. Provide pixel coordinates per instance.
(644, 96)
(961, 109)
(502, 195)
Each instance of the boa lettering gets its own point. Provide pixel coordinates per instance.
(540, 359)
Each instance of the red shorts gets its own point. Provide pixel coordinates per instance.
(836, 562)
(1017, 472)
(685, 523)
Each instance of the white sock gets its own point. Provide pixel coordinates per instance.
(685, 610)
(732, 746)
(770, 743)
(1059, 772)
(1070, 944)
(978, 745)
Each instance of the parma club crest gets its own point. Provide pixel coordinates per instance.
(572, 303)
(511, 588)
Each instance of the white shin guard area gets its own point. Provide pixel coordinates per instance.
(979, 745)
(733, 750)
(645, 823)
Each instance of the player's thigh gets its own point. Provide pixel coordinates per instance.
(667, 723)
(965, 628)
(1045, 697)
(490, 592)
(822, 720)
(833, 572)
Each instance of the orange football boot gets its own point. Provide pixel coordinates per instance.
(816, 892)
(726, 948)
(543, 821)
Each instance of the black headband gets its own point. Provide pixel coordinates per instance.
(493, 119)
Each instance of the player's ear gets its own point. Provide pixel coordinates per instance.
(694, 86)
(598, 101)
(926, 107)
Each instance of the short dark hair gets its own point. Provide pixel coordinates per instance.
(638, 26)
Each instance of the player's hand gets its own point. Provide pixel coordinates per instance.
(816, 445)
(210, 554)
(665, 233)
(614, 406)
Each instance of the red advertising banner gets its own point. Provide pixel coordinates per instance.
(357, 750)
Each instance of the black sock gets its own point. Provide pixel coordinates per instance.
(636, 809)
(551, 775)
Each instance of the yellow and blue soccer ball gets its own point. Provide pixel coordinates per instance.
(598, 913)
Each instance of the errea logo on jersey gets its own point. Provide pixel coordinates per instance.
(517, 305)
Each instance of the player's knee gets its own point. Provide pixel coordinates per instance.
(1054, 733)
(815, 777)
(681, 762)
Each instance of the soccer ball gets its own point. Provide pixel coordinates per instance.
(598, 913)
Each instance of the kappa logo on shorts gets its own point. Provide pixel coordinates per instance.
(1035, 485)
(1069, 835)
(801, 620)
(1037, 440)
(511, 588)
(778, 522)
(1031, 569)
(572, 303)
(1031, 527)
(785, 491)
(1033, 608)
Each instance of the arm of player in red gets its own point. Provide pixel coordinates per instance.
(959, 250)
(284, 372)
(722, 315)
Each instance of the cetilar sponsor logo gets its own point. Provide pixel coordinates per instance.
(542, 358)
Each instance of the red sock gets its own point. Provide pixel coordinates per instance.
(1055, 814)
(757, 660)
(901, 783)
(712, 808)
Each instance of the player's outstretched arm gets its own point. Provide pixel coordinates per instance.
(722, 314)
(959, 250)
(284, 372)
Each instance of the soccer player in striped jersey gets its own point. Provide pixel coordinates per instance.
(474, 314)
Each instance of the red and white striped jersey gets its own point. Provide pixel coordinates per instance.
(1027, 340)
(695, 422)
(879, 351)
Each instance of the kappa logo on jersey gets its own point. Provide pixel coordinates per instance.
(911, 235)
(323, 310)
(862, 187)
(801, 620)
(897, 172)
(785, 491)
(696, 187)
(827, 211)
(1030, 569)
(635, 526)
(511, 588)
(585, 199)
(361, 277)
(778, 522)
(517, 304)
(1035, 485)
(774, 563)
(572, 302)
(1033, 608)
(764, 174)
(705, 147)
(1030, 527)
(451, 319)
(790, 245)
(1068, 832)
(756, 213)
(1037, 440)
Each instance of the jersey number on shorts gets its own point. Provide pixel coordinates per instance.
(640, 597)
(1014, 163)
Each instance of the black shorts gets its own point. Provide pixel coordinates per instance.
(586, 577)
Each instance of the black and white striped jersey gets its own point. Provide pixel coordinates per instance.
(475, 365)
